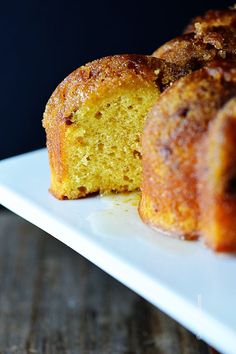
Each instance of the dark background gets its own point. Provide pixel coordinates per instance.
(43, 41)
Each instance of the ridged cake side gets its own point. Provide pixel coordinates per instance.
(172, 138)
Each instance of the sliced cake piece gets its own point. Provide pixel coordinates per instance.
(94, 121)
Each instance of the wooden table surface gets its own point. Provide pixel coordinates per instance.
(54, 301)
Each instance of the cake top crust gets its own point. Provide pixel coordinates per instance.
(184, 110)
(98, 77)
(213, 18)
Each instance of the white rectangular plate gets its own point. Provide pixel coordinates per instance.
(185, 279)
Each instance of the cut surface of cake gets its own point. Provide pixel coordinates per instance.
(94, 121)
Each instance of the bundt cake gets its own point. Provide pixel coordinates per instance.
(189, 151)
(210, 37)
(94, 120)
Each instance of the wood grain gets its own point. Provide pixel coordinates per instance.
(53, 301)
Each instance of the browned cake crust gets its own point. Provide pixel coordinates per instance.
(89, 82)
(213, 18)
(187, 51)
(194, 50)
(173, 134)
(208, 37)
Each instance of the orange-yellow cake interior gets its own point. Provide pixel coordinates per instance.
(102, 144)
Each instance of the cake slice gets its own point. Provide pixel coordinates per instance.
(94, 121)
